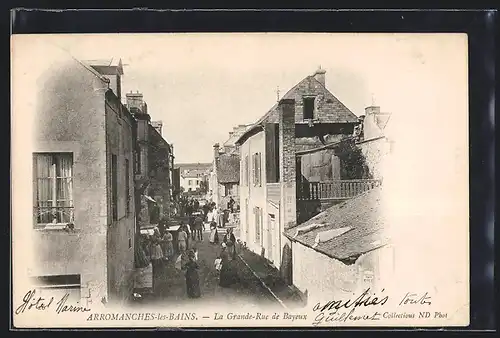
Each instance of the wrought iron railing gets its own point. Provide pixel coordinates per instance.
(53, 215)
(334, 190)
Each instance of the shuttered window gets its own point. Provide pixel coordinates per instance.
(258, 224)
(245, 171)
(257, 170)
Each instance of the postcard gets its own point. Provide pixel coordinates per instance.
(240, 180)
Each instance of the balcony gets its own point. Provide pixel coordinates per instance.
(337, 190)
(53, 217)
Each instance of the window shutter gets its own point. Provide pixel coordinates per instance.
(254, 169)
(260, 169)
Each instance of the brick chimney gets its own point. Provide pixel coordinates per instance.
(372, 110)
(288, 198)
(287, 162)
(319, 75)
(216, 150)
(135, 103)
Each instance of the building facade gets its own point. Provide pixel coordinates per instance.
(154, 163)
(83, 220)
(193, 177)
(307, 117)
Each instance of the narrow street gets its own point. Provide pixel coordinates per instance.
(170, 285)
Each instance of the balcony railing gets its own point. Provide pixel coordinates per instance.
(46, 216)
(334, 190)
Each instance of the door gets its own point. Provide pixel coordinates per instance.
(270, 237)
(247, 224)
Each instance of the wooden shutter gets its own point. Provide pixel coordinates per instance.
(260, 169)
(254, 169)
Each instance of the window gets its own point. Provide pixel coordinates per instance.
(308, 108)
(138, 162)
(258, 224)
(53, 186)
(58, 286)
(114, 188)
(245, 171)
(257, 169)
(127, 187)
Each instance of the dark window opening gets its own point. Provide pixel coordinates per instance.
(58, 280)
(308, 108)
(114, 188)
(127, 187)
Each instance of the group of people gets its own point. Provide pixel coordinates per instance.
(224, 266)
(164, 244)
(158, 247)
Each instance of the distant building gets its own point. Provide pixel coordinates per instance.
(193, 176)
(83, 183)
(224, 181)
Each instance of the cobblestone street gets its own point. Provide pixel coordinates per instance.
(170, 285)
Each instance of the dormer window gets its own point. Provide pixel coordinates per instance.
(309, 108)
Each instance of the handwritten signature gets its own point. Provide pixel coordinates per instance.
(31, 301)
(331, 311)
(362, 300)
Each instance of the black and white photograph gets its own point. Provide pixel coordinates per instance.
(240, 179)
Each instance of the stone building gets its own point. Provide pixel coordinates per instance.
(224, 177)
(154, 165)
(83, 200)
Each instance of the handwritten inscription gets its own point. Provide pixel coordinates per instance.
(32, 302)
(413, 299)
(365, 299)
(332, 310)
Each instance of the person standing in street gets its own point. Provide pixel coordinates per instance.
(214, 235)
(182, 238)
(225, 271)
(192, 276)
(230, 204)
(230, 241)
(198, 228)
(168, 246)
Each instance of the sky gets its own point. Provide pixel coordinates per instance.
(202, 85)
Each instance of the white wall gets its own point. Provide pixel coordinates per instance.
(326, 278)
(256, 196)
(194, 180)
(375, 153)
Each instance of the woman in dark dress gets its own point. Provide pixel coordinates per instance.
(192, 276)
(225, 278)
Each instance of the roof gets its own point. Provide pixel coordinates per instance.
(228, 168)
(346, 230)
(237, 132)
(193, 166)
(333, 111)
(101, 64)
